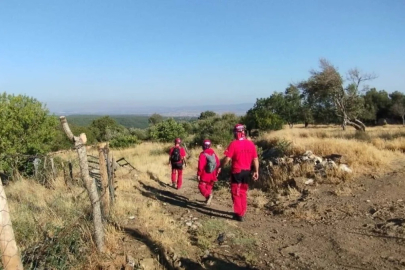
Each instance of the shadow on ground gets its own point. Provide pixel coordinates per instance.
(179, 200)
(164, 259)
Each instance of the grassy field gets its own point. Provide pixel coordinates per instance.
(57, 220)
(378, 150)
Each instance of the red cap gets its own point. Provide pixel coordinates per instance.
(177, 141)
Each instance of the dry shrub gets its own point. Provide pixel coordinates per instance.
(258, 198)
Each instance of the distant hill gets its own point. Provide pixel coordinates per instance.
(129, 121)
(185, 111)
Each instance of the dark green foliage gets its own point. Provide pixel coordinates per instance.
(141, 134)
(62, 142)
(189, 127)
(155, 118)
(206, 114)
(263, 119)
(377, 105)
(218, 129)
(26, 128)
(270, 113)
(167, 131)
(128, 121)
(105, 128)
(122, 141)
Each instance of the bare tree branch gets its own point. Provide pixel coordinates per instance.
(356, 77)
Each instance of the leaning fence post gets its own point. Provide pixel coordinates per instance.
(105, 199)
(111, 183)
(10, 256)
(89, 182)
(70, 170)
(109, 167)
(53, 168)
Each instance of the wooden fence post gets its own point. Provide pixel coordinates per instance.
(90, 183)
(109, 169)
(111, 183)
(53, 168)
(105, 198)
(10, 255)
(70, 165)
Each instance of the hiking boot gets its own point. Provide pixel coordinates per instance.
(173, 185)
(208, 202)
(237, 217)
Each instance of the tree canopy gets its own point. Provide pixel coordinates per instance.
(26, 127)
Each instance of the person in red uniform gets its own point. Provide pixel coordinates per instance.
(176, 160)
(243, 153)
(207, 171)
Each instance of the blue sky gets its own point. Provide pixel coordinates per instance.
(72, 54)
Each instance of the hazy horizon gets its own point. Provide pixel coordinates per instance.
(102, 55)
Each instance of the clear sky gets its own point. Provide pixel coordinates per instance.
(70, 54)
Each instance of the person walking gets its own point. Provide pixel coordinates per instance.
(243, 154)
(207, 171)
(177, 156)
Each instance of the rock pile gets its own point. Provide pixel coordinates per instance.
(321, 164)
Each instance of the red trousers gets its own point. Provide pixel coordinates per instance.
(206, 188)
(179, 177)
(239, 198)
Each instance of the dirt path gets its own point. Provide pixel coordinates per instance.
(356, 225)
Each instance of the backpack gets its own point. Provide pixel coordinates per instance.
(211, 163)
(175, 157)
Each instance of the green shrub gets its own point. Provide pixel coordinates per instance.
(141, 134)
(217, 129)
(26, 128)
(167, 131)
(124, 141)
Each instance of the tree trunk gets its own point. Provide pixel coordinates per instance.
(10, 255)
(90, 183)
(356, 126)
(105, 199)
(363, 126)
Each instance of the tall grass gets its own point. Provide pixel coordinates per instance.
(58, 220)
(380, 149)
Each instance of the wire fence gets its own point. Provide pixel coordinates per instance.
(55, 247)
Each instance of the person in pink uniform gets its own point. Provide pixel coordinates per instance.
(207, 171)
(242, 152)
(176, 160)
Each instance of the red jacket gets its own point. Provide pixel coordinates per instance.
(242, 152)
(202, 162)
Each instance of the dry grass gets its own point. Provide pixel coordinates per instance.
(39, 214)
(380, 149)
(37, 210)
